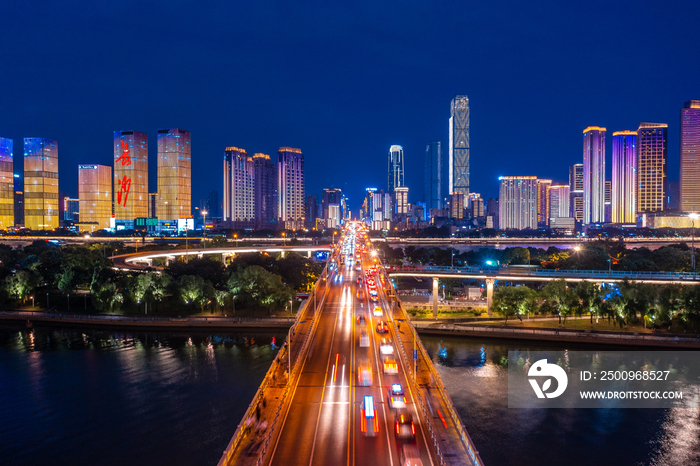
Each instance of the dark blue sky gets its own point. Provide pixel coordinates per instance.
(344, 82)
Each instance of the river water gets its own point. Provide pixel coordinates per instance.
(72, 396)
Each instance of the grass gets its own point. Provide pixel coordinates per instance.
(421, 314)
(584, 323)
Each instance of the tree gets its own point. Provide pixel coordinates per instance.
(20, 285)
(589, 294)
(513, 301)
(670, 300)
(108, 297)
(195, 291)
(555, 292)
(65, 279)
(260, 287)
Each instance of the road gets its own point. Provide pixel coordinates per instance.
(323, 423)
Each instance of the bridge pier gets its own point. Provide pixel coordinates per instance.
(308, 253)
(167, 261)
(489, 295)
(282, 254)
(435, 297)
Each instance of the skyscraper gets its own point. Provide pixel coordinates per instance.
(401, 197)
(559, 201)
(433, 175)
(330, 196)
(213, 204)
(311, 209)
(651, 167)
(457, 205)
(40, 184)
(174, 174)
(624, 177)
(290, 187)
(265, 191)
(543, 202)
(239, 189)
(130, 175)
(593, 175)
(95, 197)
(690, 157)
(7, 184)
(459, 144)
(518, 202)
(396, 168)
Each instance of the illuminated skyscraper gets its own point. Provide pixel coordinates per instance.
(401, 197)
(396, 170)
(130, 175)
(690, 157)
(95, 197)
(624, 177)
(433, 175)
(518, 202)
(593, 175)
(459, 145)
(559, 201)
(457, 205)
(290, 187)
(651, 167)
(475, 205)
(239, 188)
(330, 196)
(174, 174)
(265, 191)
(7, 184)
(576, 191)
(543, 202)
(40, 184)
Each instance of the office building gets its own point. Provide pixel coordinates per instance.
(396, 168)
(543, 202)
(174, 174)
(593, 175)
(265, 185)
(330, 196)
(608, 201)
(71, 208)
(95, 195)
(368, 203)
(624, 177)
(475, 205)
(518, 202)
(559, 201)
(651, 167)
(459, 145)
(433, 175)
(7, 184)
(690, 157)
(152, 205)
(19, 200)
(239, 189)
(401, 201)
(457, 205)
(130, 175)
(290, 187)
(40, 184)
(576, 178)
(311, 209)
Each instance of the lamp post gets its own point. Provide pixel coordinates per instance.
(578, 250)
(235, 236)
(32, 302)
(204, 228)
(452, 262)
(284, 238)
(187, 258)
(693, 216)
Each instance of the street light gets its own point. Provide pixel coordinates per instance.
(284, 238)
(452, 262)
(693, 216)
(235, 236)
(578, 249)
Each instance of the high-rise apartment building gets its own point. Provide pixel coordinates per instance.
(459, 145)
(651, 167)
(401, 200)
(290, 187)
(174, 174)
(576, 178)
(265, 191)
(396, 168)
(7, 184)
(71, 209)
(543, 202)
(40, 184)
(368, 203)
(457, 205)
(559, 201)
(311, 209)
(130, 175)
(518, 202)
(239, 189)
(690, 157)
(624, 177)
(95, 197)
(593, 175)
(433, 175)
(330, 196)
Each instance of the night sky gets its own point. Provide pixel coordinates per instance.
(345, 81)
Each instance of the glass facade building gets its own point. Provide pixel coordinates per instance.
(401, 200)
(7, 184)
(174, 174)
(517, 202)
(95, 197)
(239, 190)
(624, 177)
(41, 210)
(130, 175)
(651, 167)
(290, 187)
(433, 175)
(593, 175)
(559, 201)
(543, 202)
(690, 157)
(459, 145)
(266, 191)
(396, 168)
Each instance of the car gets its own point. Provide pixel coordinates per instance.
(396, 396)
(364, 340)
(361, 320)
(391, 367)
(364, 373)
(382, 327)
(377, 311)
(404, 427)
(369, 423)
(410, 456)
(385, 346)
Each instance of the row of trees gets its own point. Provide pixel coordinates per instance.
(625, 303)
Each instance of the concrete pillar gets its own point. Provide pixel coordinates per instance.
(167, 261)
(282, 254)
(489, 295)
(435, 297)
(308, 253)
(223, 259)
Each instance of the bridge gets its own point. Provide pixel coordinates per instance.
(490, 274)
(325, 397)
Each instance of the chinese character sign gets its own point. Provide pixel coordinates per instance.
(124, 186)
(125, 158)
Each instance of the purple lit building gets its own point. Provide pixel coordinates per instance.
(624, 177)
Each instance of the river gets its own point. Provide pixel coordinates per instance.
(77, 396)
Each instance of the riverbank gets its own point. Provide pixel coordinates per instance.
(147, 323)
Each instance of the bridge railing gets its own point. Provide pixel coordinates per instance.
(127, 318)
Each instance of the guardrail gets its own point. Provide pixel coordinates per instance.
(126, 319)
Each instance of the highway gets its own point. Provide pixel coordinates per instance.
(323, 423)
